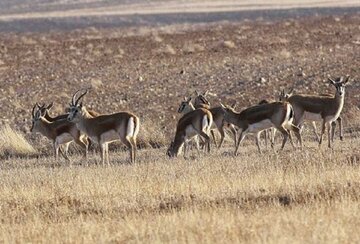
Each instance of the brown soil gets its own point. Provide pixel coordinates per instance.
(149, 70)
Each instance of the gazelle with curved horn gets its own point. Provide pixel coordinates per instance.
(217, 113)
(104, 129)
(257, 118)
(59, 132)
(320, 108)
(197, 122)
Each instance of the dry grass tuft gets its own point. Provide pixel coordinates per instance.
(12, 143)
(151, 135)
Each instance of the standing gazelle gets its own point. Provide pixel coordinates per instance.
(284, 96)
(59, 131)
(197, 122)
(104, 129)
(257, 118)
(218, 116)
(320, 108)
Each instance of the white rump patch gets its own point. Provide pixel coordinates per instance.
(130, 128)
(205, 124)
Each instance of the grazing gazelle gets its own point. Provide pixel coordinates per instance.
(320, 108)
(284, 96)
(104, 129)
(59, 131)
(217, 113)
(260, 117)
(197, 122)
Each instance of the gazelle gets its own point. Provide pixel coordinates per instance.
(59, 131)
(104, 129)
(217, 113)
(197, 122)
(320, 108)
(257, 118)
(284, 96)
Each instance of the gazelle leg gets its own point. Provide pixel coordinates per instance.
(333, 127)
(272, 139)
(107, 153)
(322, 132)
(197, 144)
(341, 128)
(213, 136)
(241, 138)
(296, 131)
(66, 152)
(265, 138)
(56, 151)
(258, 140)
(133, 143)
(83, 143)
(185, 148)
(285, 134)
(222, 136)
(207, 140)
(234, 132)
(313, 123)
(130, 146)
(329, 129)
(103, 151)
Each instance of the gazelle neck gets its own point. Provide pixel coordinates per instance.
(44, 127)
(190, 107)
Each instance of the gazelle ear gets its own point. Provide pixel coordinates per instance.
(50, 106)
(206, 93)
(291, 91)
(346, 79)
(188, 100)
(331, 81)
(67, 110)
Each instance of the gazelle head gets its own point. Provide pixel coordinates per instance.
(228, 109)
(339, 84)
(36, 117)
(170, 151)
(200, 99)
(44, 109)
(75, 108)
(284, 96)
(174, 149)
(185, 104)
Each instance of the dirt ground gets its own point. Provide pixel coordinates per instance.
(148, 70)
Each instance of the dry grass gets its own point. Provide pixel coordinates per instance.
(293, 196)
(13, 143)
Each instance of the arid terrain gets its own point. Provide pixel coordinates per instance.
(293, 196)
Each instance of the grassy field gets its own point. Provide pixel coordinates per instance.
(291, 196)
(308, 196)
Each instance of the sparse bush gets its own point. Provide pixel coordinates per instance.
(12, 143)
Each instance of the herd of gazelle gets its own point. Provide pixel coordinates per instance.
(199, 120)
